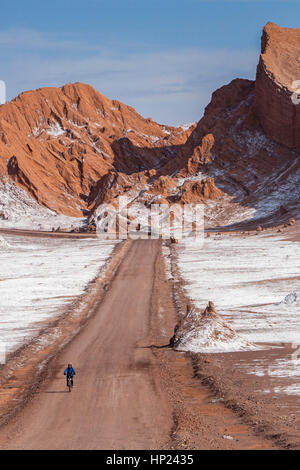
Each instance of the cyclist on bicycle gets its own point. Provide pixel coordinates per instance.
(70, 372)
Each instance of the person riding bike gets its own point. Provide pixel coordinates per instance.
(70, 372)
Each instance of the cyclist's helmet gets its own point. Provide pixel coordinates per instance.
(70, 366)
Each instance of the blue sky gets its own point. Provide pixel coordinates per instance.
(164, 57)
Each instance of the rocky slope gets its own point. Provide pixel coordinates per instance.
(58, 143)
(72, 149)
(278, 69)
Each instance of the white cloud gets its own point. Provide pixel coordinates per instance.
(171, 86)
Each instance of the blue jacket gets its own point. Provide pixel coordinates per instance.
(70, 372)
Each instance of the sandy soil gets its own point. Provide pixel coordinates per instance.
(272, 415)
(131, 392)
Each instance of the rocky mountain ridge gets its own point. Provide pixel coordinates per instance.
(72, 149)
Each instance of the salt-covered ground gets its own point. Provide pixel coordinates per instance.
(41, 276)
(254, 282)
(19, 210)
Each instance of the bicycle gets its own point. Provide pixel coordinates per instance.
(69, 383)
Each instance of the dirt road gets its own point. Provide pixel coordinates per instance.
(127, 395)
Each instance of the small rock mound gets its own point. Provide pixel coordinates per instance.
(207, 332)
(291, 299)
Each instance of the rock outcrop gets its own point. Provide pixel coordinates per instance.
(197, 191)
(58, 143)
(207, 331)
(277, 74)
(72, 149)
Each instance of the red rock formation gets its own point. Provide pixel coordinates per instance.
(201, 154)
(72, 149)
(198, 191)
(278, 69)
(58, 143)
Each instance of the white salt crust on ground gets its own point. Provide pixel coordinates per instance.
(39, 277)
(254, 282)
(21, 211)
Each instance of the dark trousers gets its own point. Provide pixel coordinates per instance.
(71, 377)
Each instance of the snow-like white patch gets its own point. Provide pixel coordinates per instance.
(76, 124)
(197, 177)
(281, 194)
(282, 367)
(36, 130)
(22, 211)
(293, 389)
(186, 127)
(39, 127)
(55, 130)
(39, 277)
(166, 131)
(154, 139)
(253, 141)
(221, 213)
